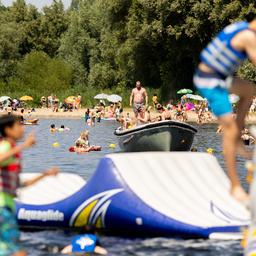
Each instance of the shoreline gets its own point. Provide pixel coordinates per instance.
(42, 113)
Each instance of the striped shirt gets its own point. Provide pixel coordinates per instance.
(9, 176)
(220, 55)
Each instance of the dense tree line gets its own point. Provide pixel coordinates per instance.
(108, 44)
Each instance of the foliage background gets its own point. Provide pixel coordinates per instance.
(106, 45)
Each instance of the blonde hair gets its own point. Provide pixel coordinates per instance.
(84, 134)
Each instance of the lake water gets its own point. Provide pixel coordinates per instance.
(43, 156)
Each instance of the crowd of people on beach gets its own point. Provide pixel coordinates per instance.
(69, 104)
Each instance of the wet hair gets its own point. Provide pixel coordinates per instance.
(62, 127)
(52, 126)
(7, 121)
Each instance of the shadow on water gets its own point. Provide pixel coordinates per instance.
(43, 156)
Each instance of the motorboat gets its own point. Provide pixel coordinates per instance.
(159, 136)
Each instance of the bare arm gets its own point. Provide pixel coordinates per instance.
(250, 46)
(131, 98)
(51, 172)
(146, 97)
(143, 120)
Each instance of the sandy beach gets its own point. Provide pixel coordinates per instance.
(43, 113)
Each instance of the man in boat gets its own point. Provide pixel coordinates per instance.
(165, 114)
(139, 98)
(215, 80)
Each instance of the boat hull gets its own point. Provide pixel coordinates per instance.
(162, 136)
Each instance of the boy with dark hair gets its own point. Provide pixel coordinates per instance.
(11, 131)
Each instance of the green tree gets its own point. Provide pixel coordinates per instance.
(41, 75)
(53, 24)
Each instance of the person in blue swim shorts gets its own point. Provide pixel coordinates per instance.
(215, 80)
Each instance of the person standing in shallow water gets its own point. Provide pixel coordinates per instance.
(138, 98)
(215, 80)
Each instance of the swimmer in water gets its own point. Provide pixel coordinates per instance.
(247, 138)
(53, 128)
(63, 129)
(215, 80)
(83, 245)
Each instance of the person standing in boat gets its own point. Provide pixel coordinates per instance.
(138, 98)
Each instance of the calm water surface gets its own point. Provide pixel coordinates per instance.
(43, 156)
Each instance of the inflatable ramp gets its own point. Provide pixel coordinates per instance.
(143, 194)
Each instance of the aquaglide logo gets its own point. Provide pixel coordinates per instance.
(38, 215)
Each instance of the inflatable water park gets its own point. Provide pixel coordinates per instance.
(170, 194)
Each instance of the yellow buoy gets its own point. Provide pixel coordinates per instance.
(113, 146)
(56, 144)
(210, 150)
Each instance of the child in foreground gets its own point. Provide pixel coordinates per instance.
(10, 167)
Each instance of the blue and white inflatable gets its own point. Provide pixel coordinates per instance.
(144, 194)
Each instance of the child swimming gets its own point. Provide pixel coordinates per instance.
(63, 129)
(11, 130)
(53, 128)
(84, 244)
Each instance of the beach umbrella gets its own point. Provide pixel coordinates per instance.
(70, 99)
(114, 98)
(5, 98)
(195, 97)
(184, 91)
(101, 96)
(233, 98)
(26, 98)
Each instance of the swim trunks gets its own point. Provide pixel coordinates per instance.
(214, 88)
(137, 107)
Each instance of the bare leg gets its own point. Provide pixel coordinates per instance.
(245, 90)
(230, 134)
